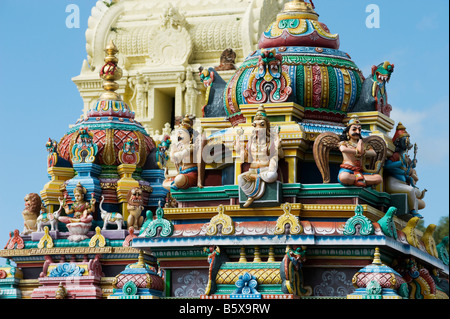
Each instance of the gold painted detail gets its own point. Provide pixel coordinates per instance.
(97, 238)
(220, 219)
(410, 231)
(46, 240)
(270, 276)
(67, 251)
(109, 156)
(295, 228)
(429, 242)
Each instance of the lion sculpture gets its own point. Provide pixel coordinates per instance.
(31, 212)
(135, 207)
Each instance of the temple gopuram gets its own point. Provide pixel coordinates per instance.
(240, 157)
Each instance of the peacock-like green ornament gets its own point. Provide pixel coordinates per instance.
(358, 224)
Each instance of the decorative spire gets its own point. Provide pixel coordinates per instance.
(376, 257)
(300, 6)
(110, 73)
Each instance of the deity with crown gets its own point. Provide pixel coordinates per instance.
(182, 155)
(79, 216)
(262, 151)
(353, 150)
(401, 174)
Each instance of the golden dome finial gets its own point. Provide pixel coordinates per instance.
(376, 257)
(141, 262)
(110, 73)
(300, 6)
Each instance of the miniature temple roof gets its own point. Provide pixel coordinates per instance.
(298, 25)
(317, 75)
(111, 121)
(384, 275)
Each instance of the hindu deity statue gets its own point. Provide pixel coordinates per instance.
(81, 210)
(401, 174)
(263, 150)
(354, 151)
(182, 155)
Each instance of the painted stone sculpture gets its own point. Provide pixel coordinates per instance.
(79, 216)
(269, 82)
(129, 154)
(355, 150)
(84, 150)
(135, 207)
(262, 151)
(227, 60)
(214, 98)
(31, 212)
(373, 93)
(162, 157)
(48, 218)
(110, 218)
(182, 155)
(401, 174)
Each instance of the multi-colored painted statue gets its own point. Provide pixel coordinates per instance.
(30, 214)
(401, 174)
(135, 203)
(373, 93)
(186, 163)
(214, 97)
(356, 151)
(79, 217)
(81, 210)
(353, 151)
(269, 82)
(110, 218)
(128, 154)
(162, 148)
(84, 150)
(262, 151)
(48, 218)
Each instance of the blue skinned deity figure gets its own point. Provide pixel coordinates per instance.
(401, 174)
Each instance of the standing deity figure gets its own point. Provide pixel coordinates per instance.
(191, 94)
(354, 151)
(182, 155)
(141, 86)
(81, 210)
(262, 151)
(401, 174)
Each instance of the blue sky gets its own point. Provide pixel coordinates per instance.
(39, 55)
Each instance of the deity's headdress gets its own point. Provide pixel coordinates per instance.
(354, 120)
(400, 132)
(79, 189)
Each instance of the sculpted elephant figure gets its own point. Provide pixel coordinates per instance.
(110, 218)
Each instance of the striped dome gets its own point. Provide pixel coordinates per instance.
(298, 61)
(325, 81)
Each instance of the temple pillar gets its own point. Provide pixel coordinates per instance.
(124, 184)
(87, 175)
(155, 177)
(52, 190)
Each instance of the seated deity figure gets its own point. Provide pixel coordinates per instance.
(81, 210)
(353, 150)
(262, 151)
(401, 174)
(182, 155)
